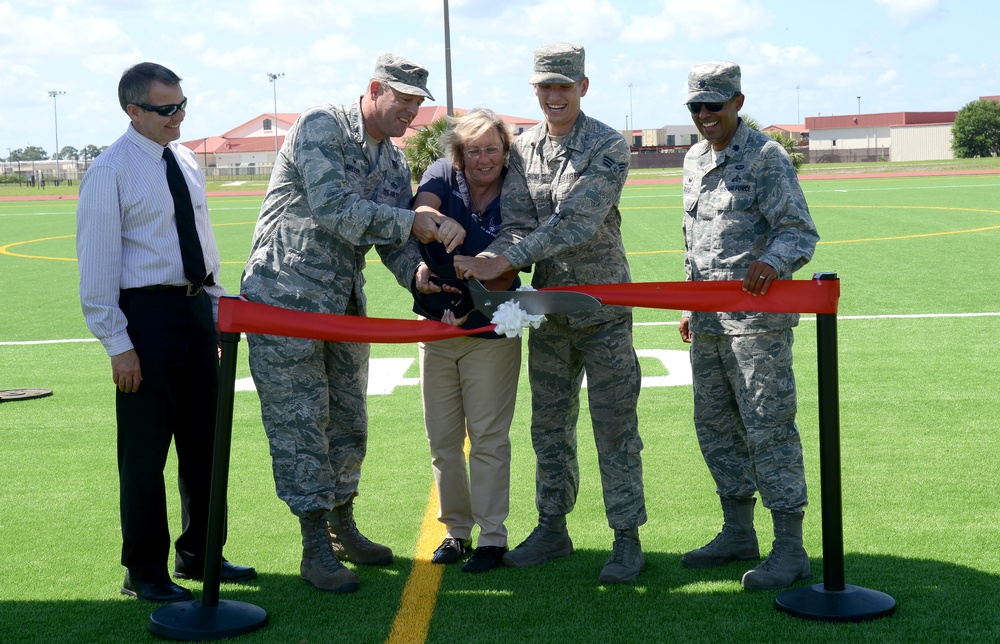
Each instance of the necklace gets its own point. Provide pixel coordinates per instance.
(479, 205)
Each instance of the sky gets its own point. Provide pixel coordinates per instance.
(799, 58)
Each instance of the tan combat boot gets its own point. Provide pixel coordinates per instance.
(736, 542)
(319, 567)
(349, 544)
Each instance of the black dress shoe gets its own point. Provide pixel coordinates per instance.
(229, 572)
(450, 551)
(484, 558)
(157, 591)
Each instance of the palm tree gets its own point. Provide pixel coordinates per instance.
(424, 148)
(784, 139)
(788, 143)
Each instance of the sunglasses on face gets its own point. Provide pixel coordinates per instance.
(711, 107)
(164, 110)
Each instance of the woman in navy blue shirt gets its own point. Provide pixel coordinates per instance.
(469, 384)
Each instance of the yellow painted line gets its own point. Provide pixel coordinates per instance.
(859, 207)
(416, 607)
(918, 236)
(4, 249)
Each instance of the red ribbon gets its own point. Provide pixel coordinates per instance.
(238, 315)
(783, 296)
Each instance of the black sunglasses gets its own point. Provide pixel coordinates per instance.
(711, 107)
(164, 110)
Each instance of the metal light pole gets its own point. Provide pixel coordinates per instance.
(274, 84)
(447, 61)
(631, 115)
(55, 112)
(859, 106)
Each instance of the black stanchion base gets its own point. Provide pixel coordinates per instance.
(853, 604)
(190, 621)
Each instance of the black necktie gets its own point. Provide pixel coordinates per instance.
(191, 255)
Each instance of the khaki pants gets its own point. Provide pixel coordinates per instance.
(469, 386)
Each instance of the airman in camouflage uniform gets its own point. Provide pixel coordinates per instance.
(560, 209)
(745, 219)
(339, 187)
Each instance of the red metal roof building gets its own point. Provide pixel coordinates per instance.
(890, 136)
(250, 147)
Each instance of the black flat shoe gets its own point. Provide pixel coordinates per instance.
(161, 592)
(229, 572)
(484, 558)
(450, 551)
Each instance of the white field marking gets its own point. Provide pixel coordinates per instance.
(907, 188)
(808, 191)
(901, 316)
(234, 183)
(385, 374)
(34, 214)
(73, 214)
(27, 342)
(985, 314)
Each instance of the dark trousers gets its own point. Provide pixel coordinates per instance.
(176, 341)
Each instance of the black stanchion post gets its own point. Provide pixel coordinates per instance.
(833, 600)
(210, 618)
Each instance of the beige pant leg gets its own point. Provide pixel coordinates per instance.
(469, 386)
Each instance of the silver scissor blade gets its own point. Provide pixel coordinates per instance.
(532, 302)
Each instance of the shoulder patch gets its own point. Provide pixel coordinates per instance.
(615, 167)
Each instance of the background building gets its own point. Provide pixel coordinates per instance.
(662, 147)
(250, 149)
(892, 136)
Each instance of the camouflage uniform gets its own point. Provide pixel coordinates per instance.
(560, 209)
(326, 205)
(744, 204)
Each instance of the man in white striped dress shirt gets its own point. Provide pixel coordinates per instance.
(157, 326)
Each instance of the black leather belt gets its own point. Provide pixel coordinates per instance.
(188, 290)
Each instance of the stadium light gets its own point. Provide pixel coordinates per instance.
(274, 83)
(55, 112)
(631, 115)
(447, 62)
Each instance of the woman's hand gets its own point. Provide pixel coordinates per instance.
(449, 318)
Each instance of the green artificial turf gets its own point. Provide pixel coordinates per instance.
(918, 381)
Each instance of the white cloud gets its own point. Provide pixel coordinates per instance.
(887, 77)
(194, 40)
(577, 21)
(335, 48)
(903, 13)
(697, 20)
(791, 56)
(650, 28)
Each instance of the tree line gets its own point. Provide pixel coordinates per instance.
(35, 153)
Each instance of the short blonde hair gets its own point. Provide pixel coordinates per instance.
(469, 127)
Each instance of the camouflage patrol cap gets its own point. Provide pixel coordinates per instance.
(558, 63)
(714, 82)
(402, 75)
